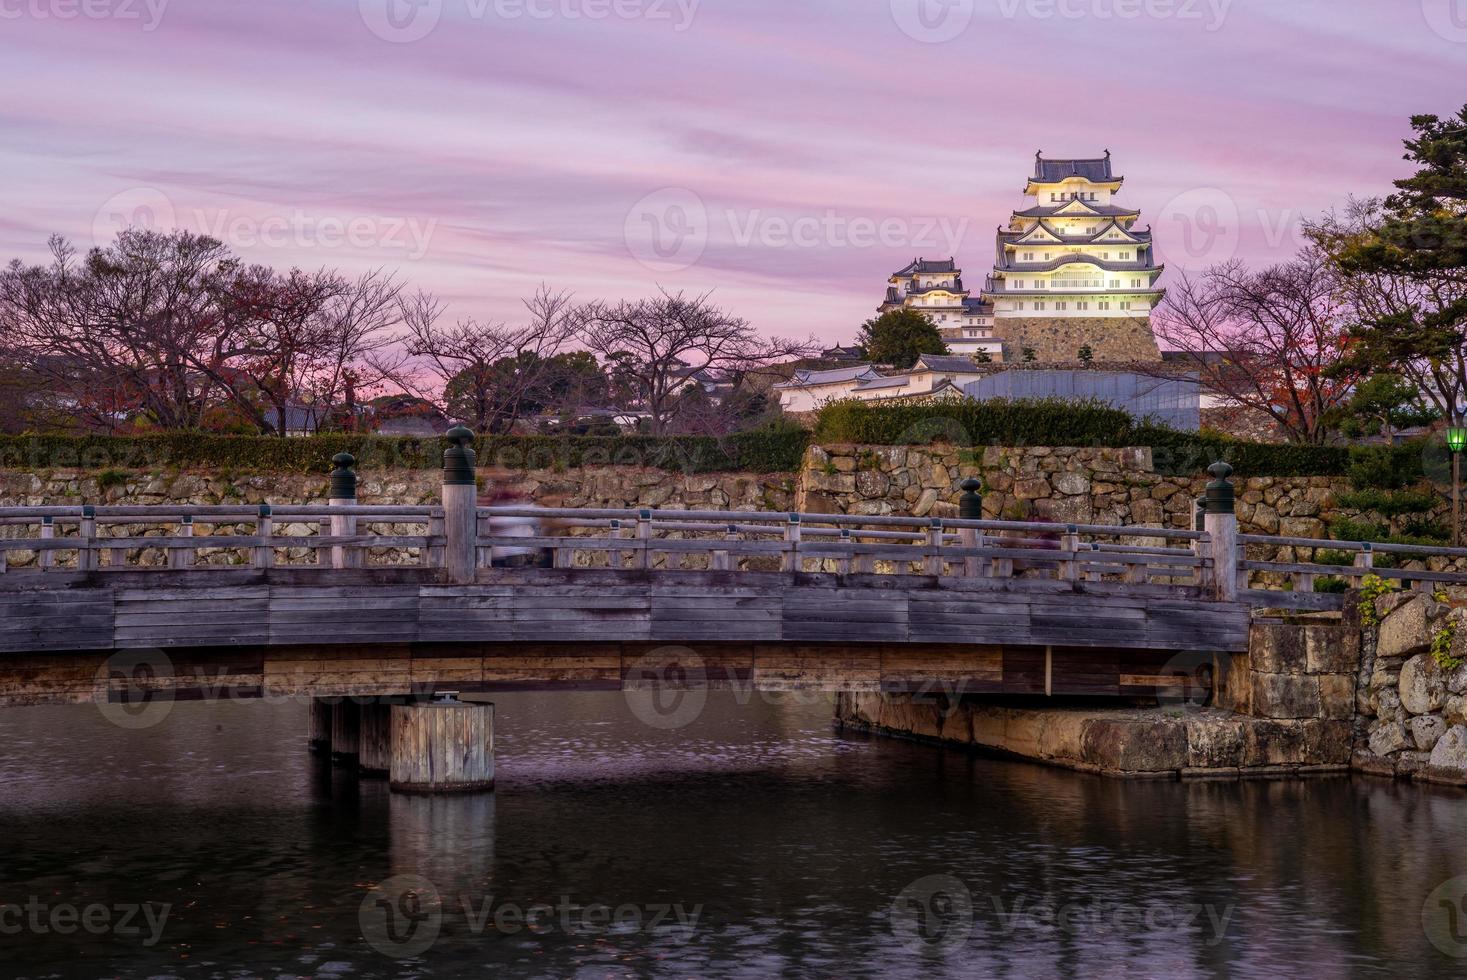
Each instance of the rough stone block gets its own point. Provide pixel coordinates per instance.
(1403, 632)
(1285, 696)
(1277, 648)
(1331, 649)
(1366, 762)
(1426, 730)
(1423, 687)
(1389, 737)
(1274, 743)
(1328, 741)
(1337, 696)
(1450, 751)
(1155, 745)
(1214, 743)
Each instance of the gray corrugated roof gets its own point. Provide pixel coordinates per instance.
(874, 383)
(945, 362)
(804, 379)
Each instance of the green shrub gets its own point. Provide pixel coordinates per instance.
(1388, 503)
(1331, 584)
(1067, 423)
(971, 423)
(1386, 467)
(769, 450)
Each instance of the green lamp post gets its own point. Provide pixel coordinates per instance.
(1456, 442)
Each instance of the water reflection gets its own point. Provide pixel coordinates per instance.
(754, 842)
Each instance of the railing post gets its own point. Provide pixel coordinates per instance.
(182, 557)
(47, 559)
(934, 563)
(1364, 561)
(1069, 570)
(643, 558)
(970, 508)
(1221, 520)
(264, 528)
(460, 503)
(343, 494)
(792, 561)
(86, 555)
(720, 562)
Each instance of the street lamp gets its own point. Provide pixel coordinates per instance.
(1456, 442)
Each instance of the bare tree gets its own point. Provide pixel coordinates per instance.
(1269, 340)
(305, 343)
(116, 334)
(488, 373)
(657, 344)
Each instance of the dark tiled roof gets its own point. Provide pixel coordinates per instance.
(922, 266)
(1050, 171)
(1050, 210)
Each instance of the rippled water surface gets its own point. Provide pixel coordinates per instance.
(755, 842)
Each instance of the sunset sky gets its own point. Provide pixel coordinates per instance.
(788, 155)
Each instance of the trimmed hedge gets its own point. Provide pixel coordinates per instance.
(767, 451)
(1054, 422)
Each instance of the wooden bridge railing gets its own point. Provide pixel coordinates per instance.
(458, 538)
(104, 538)
(759, 540)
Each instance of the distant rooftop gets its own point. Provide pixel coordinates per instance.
(923, 267)
(1052, 171)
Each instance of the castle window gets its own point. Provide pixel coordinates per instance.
(1018, 284)
(1115, 284)
(1021, 305)
(1059, 306)
(1102, 305)
(1082, 306)
(1105, 255)
(1125, 305)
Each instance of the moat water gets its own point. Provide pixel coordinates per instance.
(755, 841)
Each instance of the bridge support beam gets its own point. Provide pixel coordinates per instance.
(444, 746)
(346, 718)
(318, 730)
(375, 745)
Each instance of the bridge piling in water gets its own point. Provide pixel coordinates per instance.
(375, 743)
(318, 736)
(444, 746)
(346, 719)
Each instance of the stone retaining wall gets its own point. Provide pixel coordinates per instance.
(1412, 709)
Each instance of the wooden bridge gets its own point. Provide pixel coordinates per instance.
(345, 598)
